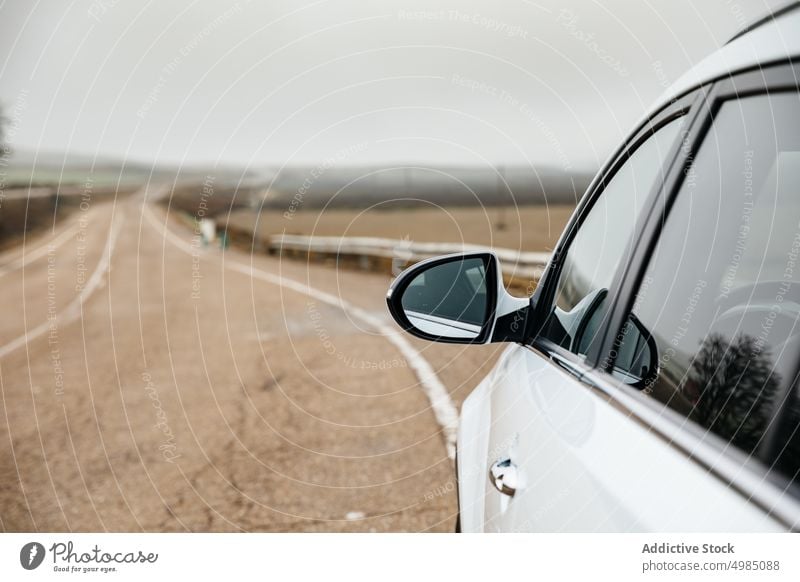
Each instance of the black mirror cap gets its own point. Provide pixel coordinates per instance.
(400, 284)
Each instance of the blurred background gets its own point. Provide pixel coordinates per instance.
(468, 116)
(194, 337)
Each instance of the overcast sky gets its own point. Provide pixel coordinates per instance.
(269, 82)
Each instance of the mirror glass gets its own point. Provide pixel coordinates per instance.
(448, 299)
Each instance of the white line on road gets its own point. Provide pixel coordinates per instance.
(38, 252)
(443, 407)
(73, 310)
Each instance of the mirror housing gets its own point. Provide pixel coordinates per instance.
(458, 298)
(637, 362)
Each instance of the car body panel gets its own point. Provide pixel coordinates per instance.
(472, 447)
(773, 41)
(574, 451)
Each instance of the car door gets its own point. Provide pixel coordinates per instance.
(663, 397)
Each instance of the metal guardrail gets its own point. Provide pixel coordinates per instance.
(521, 270)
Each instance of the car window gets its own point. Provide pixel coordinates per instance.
(603, 239)
(720, 299)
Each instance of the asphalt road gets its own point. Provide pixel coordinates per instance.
(151, 384)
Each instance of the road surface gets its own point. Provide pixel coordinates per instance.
(152, 384)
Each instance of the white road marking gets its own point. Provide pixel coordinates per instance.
(444, 410)
(355, 515)
(73, 311)
(39, 251)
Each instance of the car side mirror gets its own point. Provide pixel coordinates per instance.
(457, 298)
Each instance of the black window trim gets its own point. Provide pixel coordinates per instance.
(775, 78)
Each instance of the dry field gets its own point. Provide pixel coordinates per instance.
(527, 228)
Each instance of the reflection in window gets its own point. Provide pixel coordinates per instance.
(731, 387)
(721, 295)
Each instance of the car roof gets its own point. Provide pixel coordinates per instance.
(771, 39)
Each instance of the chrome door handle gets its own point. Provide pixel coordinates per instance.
(504, 476)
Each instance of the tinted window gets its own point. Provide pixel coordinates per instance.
(602, 240)
(721, 296)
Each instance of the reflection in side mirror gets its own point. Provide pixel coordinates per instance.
(636, 363)
(455, 299)
(636, 353)
(449, 300)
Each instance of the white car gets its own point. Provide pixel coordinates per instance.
(651, 381)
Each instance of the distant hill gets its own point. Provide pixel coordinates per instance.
(300, 188)
(25, 168)
(314, 187)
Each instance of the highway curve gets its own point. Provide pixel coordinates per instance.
(152, 384)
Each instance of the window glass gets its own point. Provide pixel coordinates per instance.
(602, 241)
(720, 301)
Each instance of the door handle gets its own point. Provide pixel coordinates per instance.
(504, 475)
